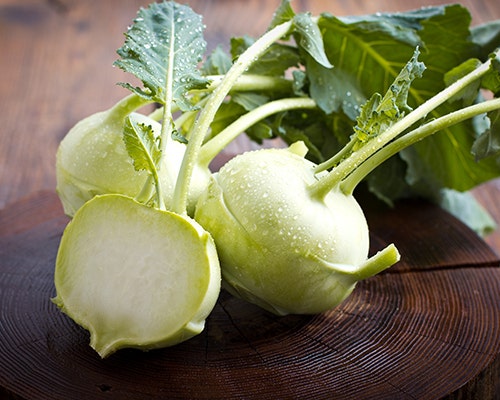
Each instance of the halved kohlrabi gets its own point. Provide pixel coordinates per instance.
(135, 276)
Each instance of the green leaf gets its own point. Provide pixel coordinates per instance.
(282, 14)
(142, 145)
(226, 114)
(310, 39)
(379, 113)
(468, 95)
(250, 100)
(217, 63)
(367, 55)
(163, 48)
(389, 183)
(240, 103)
(308, 126)
(487, 37)
(274, 62)
(488, 143)
(300, 82)
(492, 80)
(446, 157)
(466, 208)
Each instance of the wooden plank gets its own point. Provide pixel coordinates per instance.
(412, 332)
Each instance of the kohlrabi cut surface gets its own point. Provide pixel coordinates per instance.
(135, 276)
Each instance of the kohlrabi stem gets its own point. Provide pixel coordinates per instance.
(165, 136)
(128, 104)
(215, 145)
(321, 187)
(202, 125)
(347, 149)
(166, 129)
(378, 262)
(250, 82)
(167, 117)
(158, 191)
(374, 265)
(187, 115)
(351, 181)
(245, 83)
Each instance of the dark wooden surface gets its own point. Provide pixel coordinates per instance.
(421, 330)
(56, 68)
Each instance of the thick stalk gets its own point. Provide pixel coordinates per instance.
(202, 125)
(128, 104)
(166, 131)
(339, 156)
(321, 187)
(249, 82)
(350, 183)
(215, 145)
(167, 118)
(245, 83)
(165, 135)
(378, 262)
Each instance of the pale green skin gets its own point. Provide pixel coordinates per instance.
(92, 159)
(279, 247)
(135, 276)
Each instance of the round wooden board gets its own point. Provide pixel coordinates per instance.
(418, 331)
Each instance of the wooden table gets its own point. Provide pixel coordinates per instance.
(56, 68)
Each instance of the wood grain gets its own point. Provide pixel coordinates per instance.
(421, 330)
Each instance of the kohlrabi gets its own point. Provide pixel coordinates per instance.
(134, 269)
(154, 232)
(290, 236)
(92, 160)
(135, 276)
(138, 275)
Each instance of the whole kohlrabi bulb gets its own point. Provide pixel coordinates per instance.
(92, 159)
(279, 246)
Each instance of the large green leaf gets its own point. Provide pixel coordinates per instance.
(487, 37)
(274, 62)
(446, 157)
(369, 51)
(163, 48)
(367, 56)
